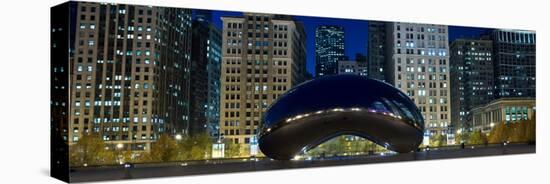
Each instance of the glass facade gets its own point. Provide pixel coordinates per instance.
(329, 49)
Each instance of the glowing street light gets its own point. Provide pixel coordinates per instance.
(119, 146)
(178, 137)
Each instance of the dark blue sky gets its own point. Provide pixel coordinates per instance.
(356, 33)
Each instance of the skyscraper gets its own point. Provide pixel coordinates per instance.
(205, 75)
(59, 88)
(418, 65)
(329, 49)
(377, 50)
(130, 73)
(471, 71)
(514, 54)
(262, 57)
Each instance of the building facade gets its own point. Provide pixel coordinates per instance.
(419, 66)
(503, 110)
(205, 76)
(472, 85)
(213, 68)
(130, 73)
(262, 57)
(329, 49)
(377, 50)
(352, 67)
(514, 54)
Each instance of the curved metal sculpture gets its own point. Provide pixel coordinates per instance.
(318, 110)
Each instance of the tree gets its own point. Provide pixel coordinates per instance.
(164, 149)
(90, 150)
(530, 131)
(462, 137)
(522, 131)
(499, 133)
(200, 147)
(232, 149)
(517, 132)
(477, 137)
(438, 140)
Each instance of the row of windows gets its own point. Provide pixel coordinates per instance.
(423, 61)
(89, 68)
(112, 128)
(431, 100)
(237, 132)
(115, 111)
(432, 108)
(421, 29)
(437, 125)
(422, 52)
(431, 77)
(422, 69)
(234, 25)
(256, 62)
(116, 78)
(237, 70)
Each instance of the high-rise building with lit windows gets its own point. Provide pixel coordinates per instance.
(129, 73)
(377, 50)
(472, 85)
(262, 57)
(514, 54)
(205, 76)
(329, 49)
(419, 66)
(59, 88)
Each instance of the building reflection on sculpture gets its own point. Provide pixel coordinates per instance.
(350, 105)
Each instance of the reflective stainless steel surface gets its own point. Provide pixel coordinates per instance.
(318, 110)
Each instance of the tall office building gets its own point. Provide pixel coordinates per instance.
(329, 49)
(205, 76)
(199, 79)
(130, 73)
(418, 65)
(59, 88)
(262, 57)
(377, 50)
(472, 85)
(514, 54)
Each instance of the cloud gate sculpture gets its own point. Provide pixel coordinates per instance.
(321, 109)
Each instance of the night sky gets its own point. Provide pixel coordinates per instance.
(356, 33)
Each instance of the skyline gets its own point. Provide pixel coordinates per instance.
(354, 30)
(158, 84)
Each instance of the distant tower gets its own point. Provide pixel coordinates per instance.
(329, 49)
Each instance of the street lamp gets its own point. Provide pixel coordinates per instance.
(119, 147)
(178, 137)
